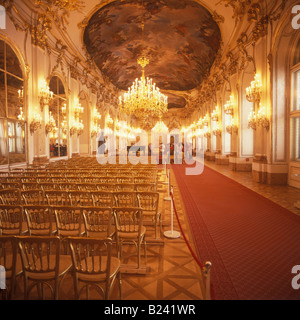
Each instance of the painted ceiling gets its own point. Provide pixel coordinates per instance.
(180, 39)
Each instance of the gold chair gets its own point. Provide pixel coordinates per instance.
(57, 198)
(11, 262)
(125, 199)
(149, 202)
(103, 199)
(12, 221)
(40, 221)
(10, 196)
(129, 228)
(98, 222)
(93, 265)
(33, 197)
(43, 263)
(80, 198)
(30, 186)
(109, 187)
(68, 221)
(47, 186)
(129, 187)
(145, 187)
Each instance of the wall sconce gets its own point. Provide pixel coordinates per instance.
(35, 123)
(45, 95)
(76, 127)
(207, 132)
(232, 128)
(215, 114)
(205, 121)
(252, 120)
(253, 93)
(228, 108)
(21, 122)
(51, 124)
(262, 120)
(259, 119)
(217, 131)
(21, 95)
(95, 126)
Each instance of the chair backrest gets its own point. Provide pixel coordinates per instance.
(31, 186)
(10, 196)
(11, 218)
(46, 186)
(103, 198)
(125, 199)
(11, 185)
(68, 186)
(91, 257)
(125, 187)
(39, 220)
(40, 255)
(110, 187)
(8, 254)
(145, 187)
(57, 198)
(33, 197)
(128, 220)
(124, 179)
(80, 198)
(148, 201)
(98, 221)
(68, 220)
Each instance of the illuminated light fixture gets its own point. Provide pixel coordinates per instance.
(51, 124)
(143, 98)
(254, 91)
(205, 121)
(36, 122)
(95, 125)
(228, 108)
(77, 124)
(21, 95)
(45, 95)
(215, 114)
(217, 131)
(232, 128)
(207, 133)
(21, 119)
(252, 120)
(160, 127)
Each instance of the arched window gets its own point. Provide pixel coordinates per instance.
(58, 110)
(12, 112)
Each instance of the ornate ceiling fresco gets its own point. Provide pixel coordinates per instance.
(181, 40)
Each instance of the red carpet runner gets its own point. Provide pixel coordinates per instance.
(252, 242)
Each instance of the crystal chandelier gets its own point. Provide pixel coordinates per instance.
(160, 127)
(143, 98)
(253, 92)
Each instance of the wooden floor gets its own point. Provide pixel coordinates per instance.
(172, 272)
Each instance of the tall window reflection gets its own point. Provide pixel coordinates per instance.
(12, 131)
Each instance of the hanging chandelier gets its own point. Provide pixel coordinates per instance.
(143, 98)
(160, 127)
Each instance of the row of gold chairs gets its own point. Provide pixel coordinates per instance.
(147, 201)
(80, 186)
(39, 260)
(80, 178)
